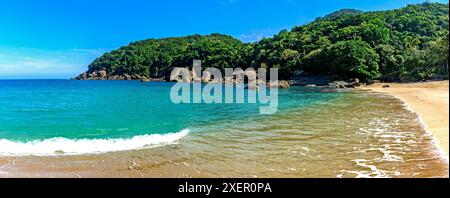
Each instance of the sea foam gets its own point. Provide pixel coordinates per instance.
(64, 146)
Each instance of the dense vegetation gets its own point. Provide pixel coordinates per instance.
(404, 44)
(155, 57)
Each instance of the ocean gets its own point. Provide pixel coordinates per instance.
(133, 129)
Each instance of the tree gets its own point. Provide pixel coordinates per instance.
(354, 58)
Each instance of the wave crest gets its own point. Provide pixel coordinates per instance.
(66, 146)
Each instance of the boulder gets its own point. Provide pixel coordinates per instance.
(238, 76)
(102, 74)
(216, 80)
(136, 77)
(206, 77)
(145, 79)
(158, 80)
(196, 72)
(228, 80)
(282, 84)
(343, 84)
(353, 83)
(179, 74)
(113, 77)
(338, 84)
(82, 76)
(127, 77)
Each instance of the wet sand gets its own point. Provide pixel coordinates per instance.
(430, 100)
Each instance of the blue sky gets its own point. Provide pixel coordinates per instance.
(58, 39)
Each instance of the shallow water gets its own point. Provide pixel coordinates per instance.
(356, 134)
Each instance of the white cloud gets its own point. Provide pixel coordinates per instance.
(34, 62)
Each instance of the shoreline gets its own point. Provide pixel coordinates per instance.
(301, 150)
(430, 101)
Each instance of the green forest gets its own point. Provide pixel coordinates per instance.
(410, 43)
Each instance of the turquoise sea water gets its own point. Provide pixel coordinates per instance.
(33, 111)
(131, 129)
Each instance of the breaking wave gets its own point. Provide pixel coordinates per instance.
(64, 146)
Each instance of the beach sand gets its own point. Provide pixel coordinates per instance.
(430, 100)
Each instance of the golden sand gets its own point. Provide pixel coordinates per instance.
(429, 100)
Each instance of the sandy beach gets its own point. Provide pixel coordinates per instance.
(430, 100)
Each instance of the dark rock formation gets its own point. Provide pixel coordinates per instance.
(103, 75)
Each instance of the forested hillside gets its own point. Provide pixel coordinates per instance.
(410, 43)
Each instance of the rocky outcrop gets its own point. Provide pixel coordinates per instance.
(180, 75)
(344, 84)
(145, 79)
(353, 83)
(103, 75)
(184, 75)
(206, 77)
(281, 84)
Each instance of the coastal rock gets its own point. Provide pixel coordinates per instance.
(145, 79)
(239, 76)
(206, 77)
(343, 84)
(136, 77)
(180, 75)
(252, 81)
(157, 80)
(338, 84)
(282, 84)
(127, 77)
(102, 74)
(114, 77)
(216, 80)
(354, 83)
(82, 76)
(228, 80)
(196, 72)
